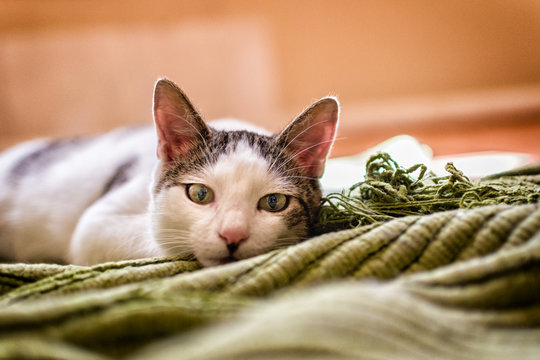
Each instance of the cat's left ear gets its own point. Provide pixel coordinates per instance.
(310, 136)
(179, 126)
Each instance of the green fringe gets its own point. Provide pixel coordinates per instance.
(391, 191)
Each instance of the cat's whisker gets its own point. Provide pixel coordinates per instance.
(172, 238)
(309, 166)
(290, 239)
(190, 124)
(279, 244)
(172, 235)
(287, 143)
(175, 242)
(306, 166)
(178, 248)
(290, 142)
(300, 177)
(284, 244)
(297, 168)
(165, 231)
(290, 158)
(301, 152)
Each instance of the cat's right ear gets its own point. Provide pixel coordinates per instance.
(179, 127)
(310, 136)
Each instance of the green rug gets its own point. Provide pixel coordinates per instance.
(406, 267)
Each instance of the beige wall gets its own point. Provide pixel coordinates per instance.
(83, 66)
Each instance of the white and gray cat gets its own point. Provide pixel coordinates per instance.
(216, 193)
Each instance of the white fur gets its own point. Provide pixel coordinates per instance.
(59, 213)
(62, 208)
(239, 180)
(42, 212)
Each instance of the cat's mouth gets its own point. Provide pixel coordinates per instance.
(227, 260)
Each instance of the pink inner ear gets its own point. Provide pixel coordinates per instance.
(314, 142)
(177, 124)
(174, 140)
(313, 154)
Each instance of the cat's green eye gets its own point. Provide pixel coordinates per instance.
(200, 194)
(274, 202)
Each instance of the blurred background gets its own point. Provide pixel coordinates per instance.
(461, 76)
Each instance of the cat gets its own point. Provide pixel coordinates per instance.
(214, 192)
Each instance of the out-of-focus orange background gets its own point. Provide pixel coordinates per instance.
(460, 75)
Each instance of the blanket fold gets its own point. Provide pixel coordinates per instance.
(454, 284)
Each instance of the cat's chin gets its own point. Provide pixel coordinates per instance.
(227, 260)
(218, 261)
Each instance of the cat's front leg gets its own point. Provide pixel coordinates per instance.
(116, 227)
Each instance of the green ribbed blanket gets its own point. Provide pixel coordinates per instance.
(440, 284)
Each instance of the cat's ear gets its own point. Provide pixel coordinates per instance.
(179, 127)
(310, 136)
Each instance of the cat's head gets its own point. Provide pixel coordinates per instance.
(228, 195)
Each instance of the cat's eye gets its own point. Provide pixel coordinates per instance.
(274, 202)
(200, 194)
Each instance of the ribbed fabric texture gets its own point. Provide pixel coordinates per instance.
(460, 284)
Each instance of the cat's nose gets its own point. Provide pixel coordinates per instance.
(233, 237)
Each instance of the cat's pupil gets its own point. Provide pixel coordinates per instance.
(272, 201)
(202, 193)
(199, 193)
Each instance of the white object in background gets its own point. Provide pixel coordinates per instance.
(342, 172)
(477, 165)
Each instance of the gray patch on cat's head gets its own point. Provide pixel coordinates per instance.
(282, 163)
(285, 164)
(296, 156)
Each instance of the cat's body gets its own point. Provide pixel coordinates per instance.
(48, 185)
(219, 195)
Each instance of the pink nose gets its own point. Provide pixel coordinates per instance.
(233, 236)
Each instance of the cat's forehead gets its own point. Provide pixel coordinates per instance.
(240, 161)
(227, 142)
(244, 164)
